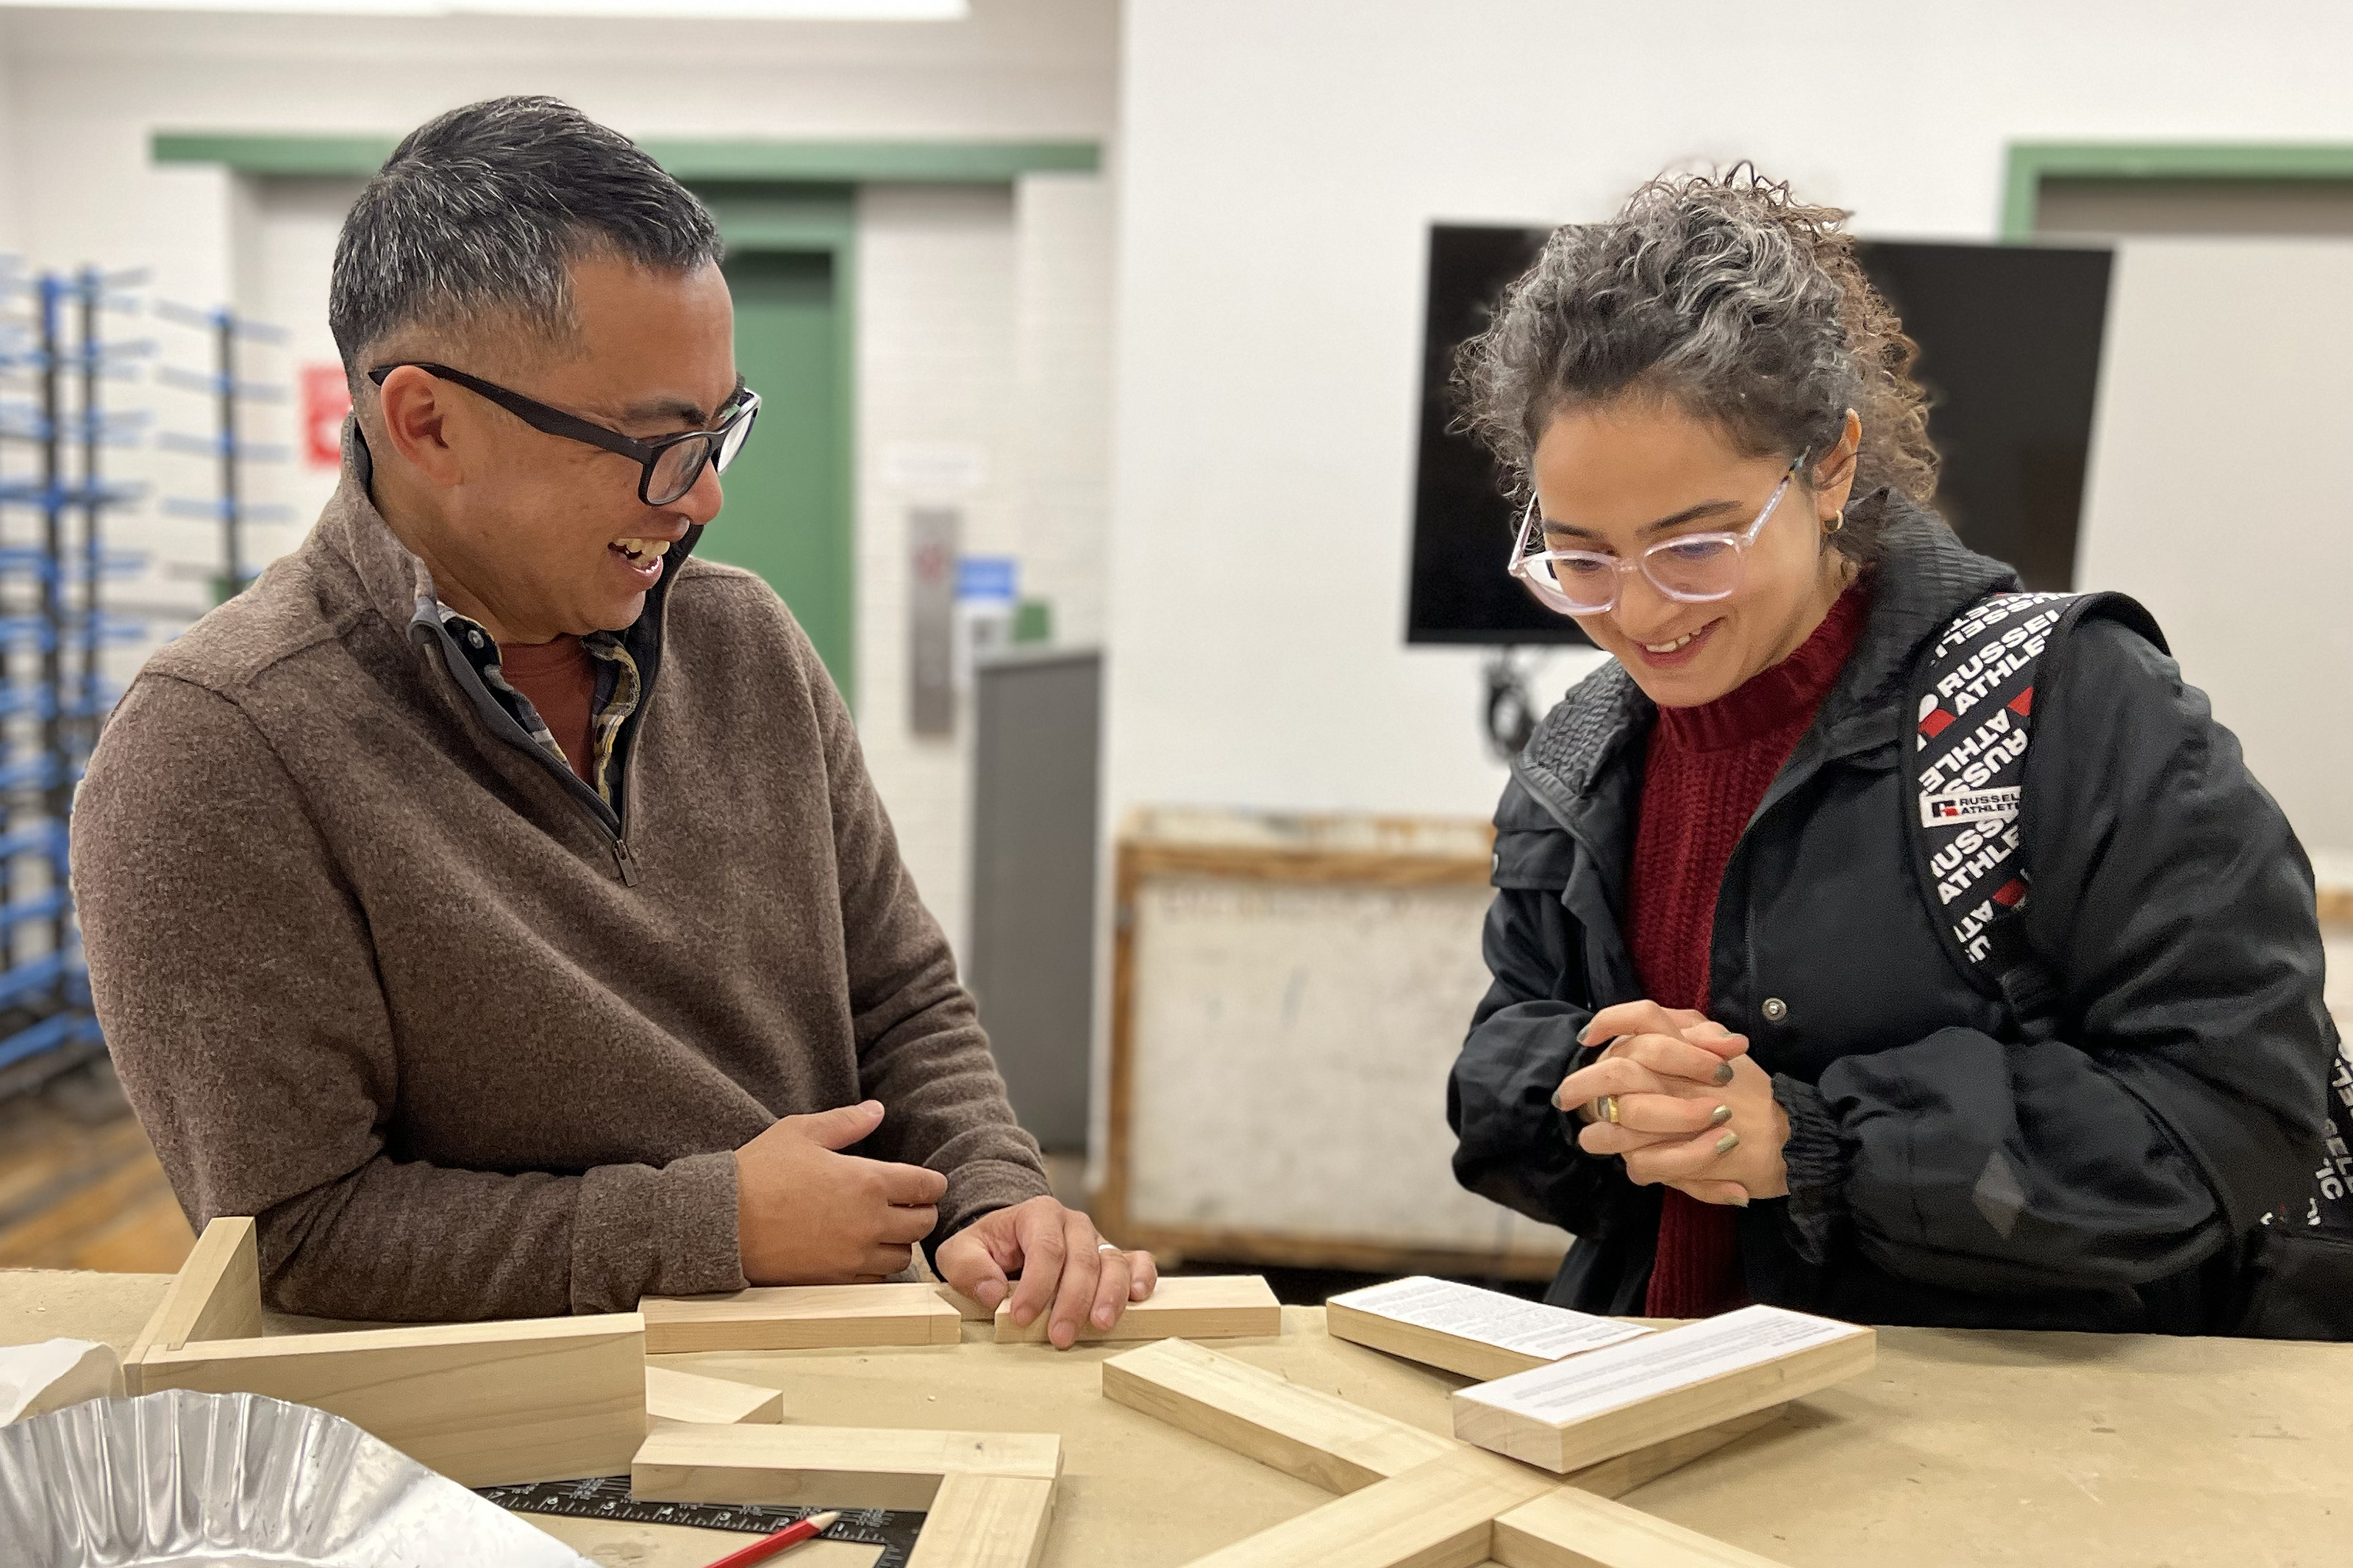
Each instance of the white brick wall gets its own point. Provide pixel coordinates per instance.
(982, 320)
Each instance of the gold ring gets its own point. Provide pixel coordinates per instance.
(1607, 1106)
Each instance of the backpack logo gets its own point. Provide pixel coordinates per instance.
(1968, 806)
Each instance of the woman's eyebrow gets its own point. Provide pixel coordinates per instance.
(1705, 509)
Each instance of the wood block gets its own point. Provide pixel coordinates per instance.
(1570, 1529)
(1596, 1406)
(1479, 1334)
(800, 1318)
(1616, 1477)
(216, 1295)
(690, 1396)
(1193, 1307)
(484, 1404)
(970, 1311)
(1438, 1515)
(986, 1521)
(39, 1378)
(829, 1466)
(1315, 1436)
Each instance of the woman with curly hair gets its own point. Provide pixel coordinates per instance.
(1727, 1045)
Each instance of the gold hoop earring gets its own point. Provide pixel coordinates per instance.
(1833, 525)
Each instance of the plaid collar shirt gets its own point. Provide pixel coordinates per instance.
(617, 689)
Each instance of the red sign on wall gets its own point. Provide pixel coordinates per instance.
(326, 401)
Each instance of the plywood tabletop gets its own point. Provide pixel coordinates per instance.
(1958, 1448)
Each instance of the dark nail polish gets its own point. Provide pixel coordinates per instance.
(1723, 1072)
(1723, 1114)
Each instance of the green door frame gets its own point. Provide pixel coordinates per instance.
(2032, 163)
(783, 196)
(755, 216)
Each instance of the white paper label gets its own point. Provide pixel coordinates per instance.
(1629, 1373)
(1492, 1318)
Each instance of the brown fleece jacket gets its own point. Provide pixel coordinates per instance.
(467, 1044)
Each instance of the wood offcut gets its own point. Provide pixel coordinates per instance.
(800, 1318)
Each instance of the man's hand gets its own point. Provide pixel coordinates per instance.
(806, 1215)
(1061, 1262)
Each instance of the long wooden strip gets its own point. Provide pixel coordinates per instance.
(1438, 1515)
(834, 1466)
(216, 1295)
(1303, 1432)
(690, 1397)
(1570, 1529)
(986, 1521)
(1193, 1307)
(485, 1403)
(1612, 1402)
(800, 1317)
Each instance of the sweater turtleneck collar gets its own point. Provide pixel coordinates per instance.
(1778, 698)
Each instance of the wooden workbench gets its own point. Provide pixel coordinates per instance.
(1959, 1449)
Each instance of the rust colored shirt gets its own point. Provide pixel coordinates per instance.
(559, 681)
(1706, 770)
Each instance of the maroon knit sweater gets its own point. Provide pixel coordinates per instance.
(1707, 769)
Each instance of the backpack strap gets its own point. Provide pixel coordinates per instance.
(1973, 716)
(1973, 720)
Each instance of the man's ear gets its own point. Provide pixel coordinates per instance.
(413, 407)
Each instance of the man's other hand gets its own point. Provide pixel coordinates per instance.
(808, 1215)
(1061, 1263)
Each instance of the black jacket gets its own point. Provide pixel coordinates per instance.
(2101, 1167)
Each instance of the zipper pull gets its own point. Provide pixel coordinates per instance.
(627, 862)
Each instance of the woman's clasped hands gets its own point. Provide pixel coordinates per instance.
(1677, 1095)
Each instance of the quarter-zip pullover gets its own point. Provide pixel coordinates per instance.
(470, 1040)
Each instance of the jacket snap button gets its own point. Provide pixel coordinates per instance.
(1775, 1009)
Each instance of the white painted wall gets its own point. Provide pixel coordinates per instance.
(2222, 494)
(983, 314)
(1281, 166)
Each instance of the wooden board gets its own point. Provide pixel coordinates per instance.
(1571, 1528)
(1326, 1441)
(711, 1401)
(1612, 1402)
(800, 1318)
(1480, 1333)
(1193, 1307)
(1438, 1515)
(1264, 962)
(829, 1466)
(484, 1404)
(216, 1295)
(986, 1521)
(1317, 1437)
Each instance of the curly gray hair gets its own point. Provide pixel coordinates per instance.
(1725, 296)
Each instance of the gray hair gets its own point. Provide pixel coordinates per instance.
(478, 213)
(1727, 297)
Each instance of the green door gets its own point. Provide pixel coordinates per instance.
(787, 513)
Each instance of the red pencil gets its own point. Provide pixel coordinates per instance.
(815, 1525)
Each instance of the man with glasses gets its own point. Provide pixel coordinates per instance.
(493, 900)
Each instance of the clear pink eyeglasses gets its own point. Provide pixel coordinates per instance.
(1695, 568)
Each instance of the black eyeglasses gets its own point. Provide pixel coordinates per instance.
(671, 463)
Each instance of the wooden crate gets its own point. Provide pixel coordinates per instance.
(1287, 996)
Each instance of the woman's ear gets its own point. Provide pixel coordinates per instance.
(1833, 477)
